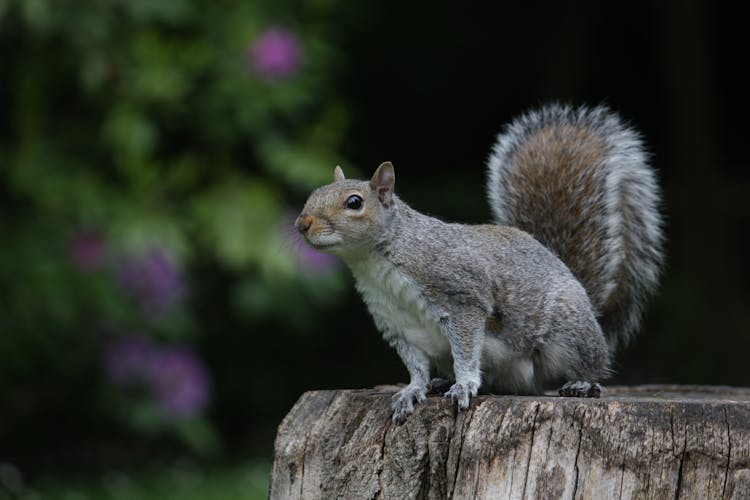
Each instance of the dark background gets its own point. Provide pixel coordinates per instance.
(428, 85)
(430, 88)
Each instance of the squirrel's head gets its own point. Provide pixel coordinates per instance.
(348, 215)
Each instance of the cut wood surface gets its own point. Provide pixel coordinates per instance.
(634, 442)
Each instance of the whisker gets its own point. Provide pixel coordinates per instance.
(306, 259)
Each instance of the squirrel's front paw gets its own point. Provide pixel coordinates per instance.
(404, 400)
(461, 393)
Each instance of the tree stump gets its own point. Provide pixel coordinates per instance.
(634, 442)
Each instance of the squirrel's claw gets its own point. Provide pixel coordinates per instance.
(461, 394)
(404, 400)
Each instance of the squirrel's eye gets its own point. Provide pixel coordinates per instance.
(354, 202)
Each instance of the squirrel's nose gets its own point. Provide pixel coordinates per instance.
(303, 223)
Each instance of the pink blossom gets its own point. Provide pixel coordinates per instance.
(128, 360)
(154, 279)
(87, 250)
(276, 54)
(174, 376)
(312, 260)
(180, 382)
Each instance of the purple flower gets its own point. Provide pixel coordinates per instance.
(315, 261)
(154, 280)
(276, 54)
(128, 360)
(174, 376)
(87, 250)
(180, 382)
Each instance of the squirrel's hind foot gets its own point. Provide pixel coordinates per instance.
(581, 389)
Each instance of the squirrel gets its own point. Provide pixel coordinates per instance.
(546, 293)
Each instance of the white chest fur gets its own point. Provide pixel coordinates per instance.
(398, 308)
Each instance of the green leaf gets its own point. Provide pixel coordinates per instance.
(4, 4)
(141, 228)
(130, 133)
(156, 74)
(200, 436)
(169, 11)
(38, 14)
(240, 220)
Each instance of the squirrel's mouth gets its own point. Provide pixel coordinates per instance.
(323, 241)
(322, 246)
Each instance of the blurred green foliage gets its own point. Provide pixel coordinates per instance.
(140, 140)
(181, 480)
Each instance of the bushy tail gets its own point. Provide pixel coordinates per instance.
(578, 180)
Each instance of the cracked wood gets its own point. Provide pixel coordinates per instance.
(636, 442)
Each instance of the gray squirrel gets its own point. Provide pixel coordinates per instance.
(545, 294)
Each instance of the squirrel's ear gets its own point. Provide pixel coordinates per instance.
(383, 181)
(338, 174)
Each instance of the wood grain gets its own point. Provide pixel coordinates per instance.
(635, 442)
